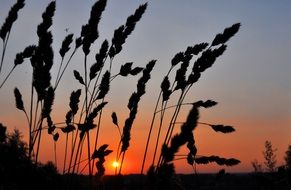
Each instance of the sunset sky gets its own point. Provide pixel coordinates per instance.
(251, 80)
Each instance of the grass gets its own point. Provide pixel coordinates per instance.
(21, 173)
(86, 104)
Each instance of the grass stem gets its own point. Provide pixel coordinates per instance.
(6, 78)
(5, 42)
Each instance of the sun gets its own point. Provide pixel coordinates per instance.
(115, 164)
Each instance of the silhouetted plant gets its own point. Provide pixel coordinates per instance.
(203, 62)
(2, 133)
(182, 83)
(69, 128)
(96, 81)
(133, 107)
(18, 171)
(257, 166)
(100, 154)
(273, 177)
(288, 158)
(270, 157)
(41, 57)
(6, 29)
(19, 59)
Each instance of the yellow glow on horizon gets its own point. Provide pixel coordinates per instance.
(115, 164)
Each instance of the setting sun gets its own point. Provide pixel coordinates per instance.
(115, 164)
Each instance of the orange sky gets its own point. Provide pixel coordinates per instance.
(245, 144)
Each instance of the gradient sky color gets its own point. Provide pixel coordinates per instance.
(251, 81)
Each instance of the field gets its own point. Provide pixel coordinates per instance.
(243, 181)
(82, 105)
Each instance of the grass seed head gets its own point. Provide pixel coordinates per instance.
(66, 45)
(99, 57)
(47, 19)
(18, 99)
(90, 31)
(11, 18)
(222, 38)
(196, 49)
(104, 86)
(79, 77)
(48, 102)
(74, 101)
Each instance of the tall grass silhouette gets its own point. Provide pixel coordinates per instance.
(86, 104)
(5, 34)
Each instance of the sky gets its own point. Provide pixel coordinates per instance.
(251, 80)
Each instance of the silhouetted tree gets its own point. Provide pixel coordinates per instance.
(270, 156)
(17, 171)
(288, 158)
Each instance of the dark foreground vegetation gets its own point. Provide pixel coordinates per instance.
(19, 172)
